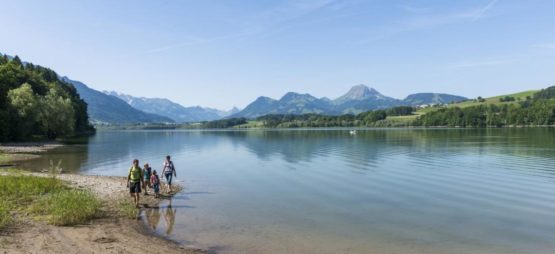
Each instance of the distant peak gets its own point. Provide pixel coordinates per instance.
(363, 90)
(293, 95)
(263, 98)
(360, 92)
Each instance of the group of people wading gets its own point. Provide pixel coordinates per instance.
(145, 178)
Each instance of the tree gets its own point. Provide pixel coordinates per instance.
(57, 115)
(26, 104)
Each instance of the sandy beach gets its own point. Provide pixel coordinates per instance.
(110, 234)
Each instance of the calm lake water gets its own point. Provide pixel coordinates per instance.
(326, 191)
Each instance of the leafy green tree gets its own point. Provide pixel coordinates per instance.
(57, 115)
(26, 104)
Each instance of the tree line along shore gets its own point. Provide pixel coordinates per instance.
(535, 108)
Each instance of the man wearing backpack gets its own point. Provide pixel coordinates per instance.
(169, 172)
(135, 181)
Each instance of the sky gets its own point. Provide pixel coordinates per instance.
(227, 53)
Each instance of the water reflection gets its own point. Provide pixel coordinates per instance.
(153, 215)
(110, 152)
(169, 217)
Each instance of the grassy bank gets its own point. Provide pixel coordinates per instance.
(44, 198)
(4, 158)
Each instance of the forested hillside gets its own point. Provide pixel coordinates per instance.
(536, 110)
(36, 104)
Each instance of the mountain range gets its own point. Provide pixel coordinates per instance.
(117, 108)
(358, 99)
(107, 109)
(170, 109)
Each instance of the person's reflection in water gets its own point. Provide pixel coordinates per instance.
(169, 217)
(153, 217)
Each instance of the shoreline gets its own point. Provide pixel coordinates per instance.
(13, 152)
(134, 128)
(111, 233)
(28, 147)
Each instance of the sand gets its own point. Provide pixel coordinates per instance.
(28, 147)
(112, 234)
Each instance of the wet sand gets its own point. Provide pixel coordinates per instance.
(110, 234)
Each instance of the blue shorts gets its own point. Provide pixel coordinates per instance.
(156, 188)
(169, 177)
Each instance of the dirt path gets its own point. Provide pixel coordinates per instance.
(112, 234)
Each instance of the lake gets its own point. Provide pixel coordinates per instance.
(327, 191)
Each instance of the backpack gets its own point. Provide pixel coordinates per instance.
(168, 167)
(154, 179)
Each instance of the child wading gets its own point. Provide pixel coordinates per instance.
(169, 172)
(147, 170)
(134, 181)
(155, 181)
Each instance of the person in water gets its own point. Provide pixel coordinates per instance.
(169, 172)
(147, 171)
(135, 180)
(155, 181)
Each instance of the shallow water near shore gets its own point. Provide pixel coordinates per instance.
(327, 191)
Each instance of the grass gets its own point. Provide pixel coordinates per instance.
(127, 209)
(250, 124)
(46, 197)
(19, 190)
(5, 216)
(68, 207)
(4, 158)
(402, 119)
(495, 100)
(521, 96)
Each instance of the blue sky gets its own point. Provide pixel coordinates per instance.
(227, 53)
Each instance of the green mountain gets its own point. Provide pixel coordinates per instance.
(431, 98)
(107, 109)
(35, 103)
(261, 106)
